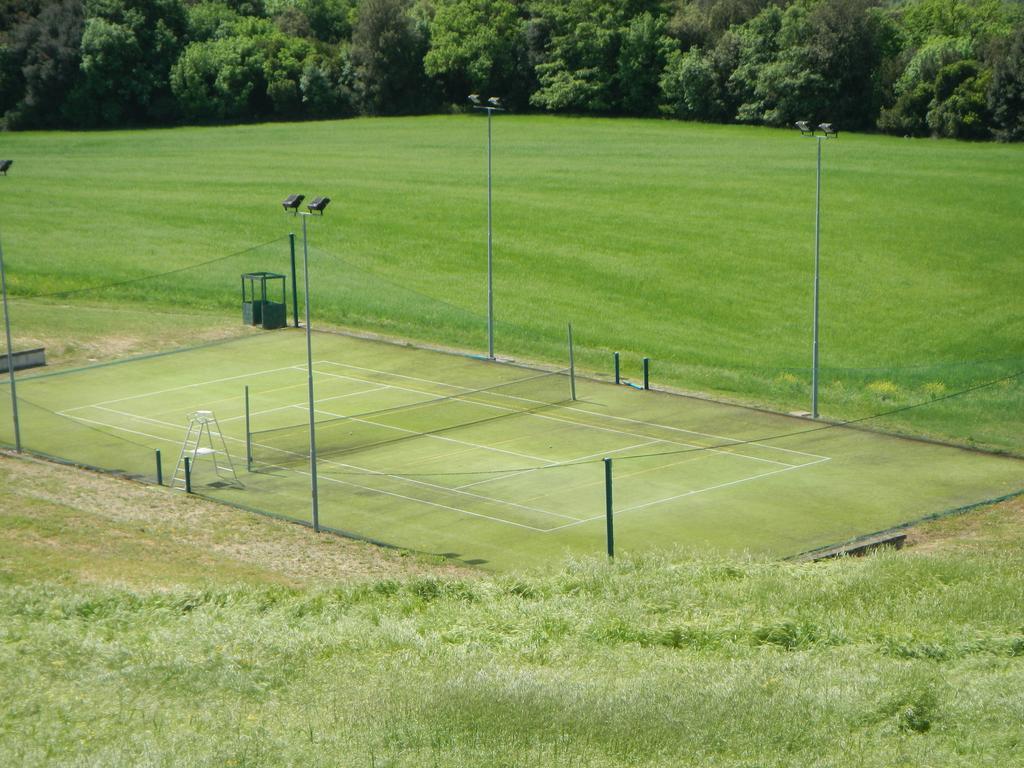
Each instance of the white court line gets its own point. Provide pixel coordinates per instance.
(715, 487)
(435, 396)
(456, 491)
(722, 450)
(448, 507)
(599, 415)
(692, 493)
(183, 386)
(434, 436)
(701, 434)
(555, 464)
(104, 424)
(254, 414)
(686, 459)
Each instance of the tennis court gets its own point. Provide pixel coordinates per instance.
(494, 462)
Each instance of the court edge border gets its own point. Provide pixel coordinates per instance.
(810, 554)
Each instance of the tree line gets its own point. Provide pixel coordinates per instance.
(950, 68)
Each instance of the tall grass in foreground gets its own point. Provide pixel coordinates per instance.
(689, 660)
(690, 244)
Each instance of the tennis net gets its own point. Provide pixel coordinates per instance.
(426, 414)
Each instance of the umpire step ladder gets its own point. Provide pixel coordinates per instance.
(204, 438)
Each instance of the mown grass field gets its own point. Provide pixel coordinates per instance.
(690, 244)
(148, 629)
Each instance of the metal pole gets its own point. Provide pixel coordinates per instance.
(10, 354)
(618, 378)
(188, 475)
(817, 256)
(248, 432)
(159, 468)
(572, 366)
(490, 252)
(309, 374)
(610, 531)
(295, 283)
(647, 373)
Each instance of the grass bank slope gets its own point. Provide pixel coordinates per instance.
(263, 653)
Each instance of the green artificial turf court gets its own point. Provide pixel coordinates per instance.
(493, 462)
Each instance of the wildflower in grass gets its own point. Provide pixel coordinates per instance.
(885, 389)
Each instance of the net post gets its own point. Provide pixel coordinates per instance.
(618, 376)
(609, 526)
(295, 285)
(647, 373)
(248, 432)
(572, 367)
(159, 469)
(188, 475)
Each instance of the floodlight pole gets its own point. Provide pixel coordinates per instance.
(828, 132)
(490, 252)
(817, 283)
(309, 378)
(490, 108)
(10, 353)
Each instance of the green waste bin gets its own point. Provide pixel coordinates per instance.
(258, 305)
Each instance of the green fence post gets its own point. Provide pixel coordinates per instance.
(572, 367)
(295, 285)
(248, 433)
(188, 475)
(159, 469)
(647, 373)
(608, 507)
(618, 378)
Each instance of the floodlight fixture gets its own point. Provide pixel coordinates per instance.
(494, 101)
(475, 98)
(805, 128)
(292, 202)
(829, 130)
(5, 165)
(318, 205)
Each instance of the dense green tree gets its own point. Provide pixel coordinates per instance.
(284, 61)
(480, 46)
(975, 20)
(643, 53)
(326, 85)
(691, 88)
(578, 64)
(388, 48)
(1006, 93)
(915, 89)
(815, 59)
(703, 22)
(216, 79)
(209, 20)
(329, 20)
(959, 109)
(39, 64)
(747, 50)
(128, 48)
